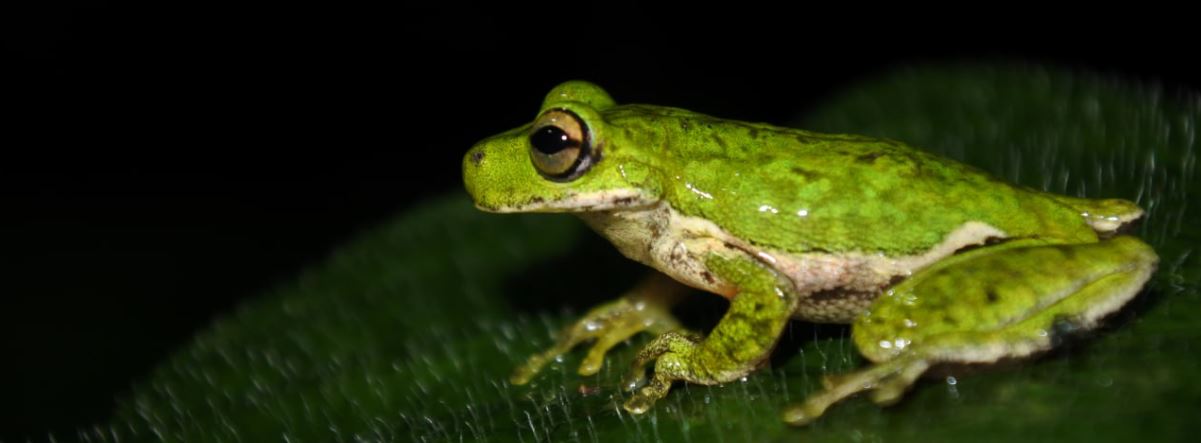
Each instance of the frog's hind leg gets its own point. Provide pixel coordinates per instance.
(1003, 304)
(645, 308)
(739, 343)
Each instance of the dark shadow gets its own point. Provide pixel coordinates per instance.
(1069, 339)
(701, 310)
(799, 332)
(593, 273)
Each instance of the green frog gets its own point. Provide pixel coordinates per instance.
(930, 260)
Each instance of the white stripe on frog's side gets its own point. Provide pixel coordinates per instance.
(832, 287)
(617, 199)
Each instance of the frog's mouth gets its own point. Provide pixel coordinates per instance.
(611, 200)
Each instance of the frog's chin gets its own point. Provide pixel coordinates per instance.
(613, 200)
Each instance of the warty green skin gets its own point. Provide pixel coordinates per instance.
(783, 221)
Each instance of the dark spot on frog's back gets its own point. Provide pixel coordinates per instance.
(720, 142)
(707, 276)
(477, 157)
(806, 139)
(1069, 253)
(869, 157)
(806, 174)
(950, 320)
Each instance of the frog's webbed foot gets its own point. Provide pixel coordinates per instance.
(738, 345)
(645, 308)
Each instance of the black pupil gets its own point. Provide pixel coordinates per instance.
(550, 140)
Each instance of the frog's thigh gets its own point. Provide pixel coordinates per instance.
(741, 341)
(1003, 304)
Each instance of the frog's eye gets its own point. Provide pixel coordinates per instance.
(560, 146)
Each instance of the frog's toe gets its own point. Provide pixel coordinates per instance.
(888, 381)
(609, 324)
(639, 403)
(568, 339)
(803, 414)
(668, 367)
(891, 389)
(888, 394)
(596, 355)
(524, 373)
(633, 380)
(829, 381)
(679, 342)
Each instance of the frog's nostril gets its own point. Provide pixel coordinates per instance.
(477, 157)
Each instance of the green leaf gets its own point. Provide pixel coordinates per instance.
(409, 334)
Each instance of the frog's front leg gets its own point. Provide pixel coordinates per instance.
(644, 308)
(1007, 301)
(739, 343)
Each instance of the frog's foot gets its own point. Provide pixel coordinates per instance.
(888, 381)
(672, 353)
(646, 308)
(738, 345)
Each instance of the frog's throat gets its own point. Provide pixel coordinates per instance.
(608, 200)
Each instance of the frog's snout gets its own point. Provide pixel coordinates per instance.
(472, 163)
(480, 178)
(499, 176)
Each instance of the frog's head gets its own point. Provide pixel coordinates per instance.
(565, 161)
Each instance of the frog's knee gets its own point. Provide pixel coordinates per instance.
(1135, 249)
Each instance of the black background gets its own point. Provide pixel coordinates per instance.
(161, 163)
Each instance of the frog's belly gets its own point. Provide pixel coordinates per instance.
(830, 288)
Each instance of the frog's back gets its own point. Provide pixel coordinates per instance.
(799, 191)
